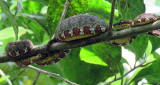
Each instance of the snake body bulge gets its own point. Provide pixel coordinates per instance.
(141, 19)
(151, 18)
(80, 26)
(14, 49)
(76, 27)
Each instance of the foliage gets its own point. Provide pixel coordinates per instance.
(90, 65)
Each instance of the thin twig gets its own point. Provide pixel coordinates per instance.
(111, 18)
(123, 75)
(37, 76)
(13, 79)
(52, 74)
(141, 65)
(62, 18)
(122, 81)
(64, 12)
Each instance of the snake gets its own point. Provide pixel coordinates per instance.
(140, 20)
(73, 28)
(15, 49)
(153, 17)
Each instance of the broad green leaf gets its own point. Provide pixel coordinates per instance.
(55, 11)
(138, 47)
(7, 35)
(130, 9)
(150, 72)
(123, 60)
(10, 17)
(155, 43)
(9, 32)
(30, 6)
(149, 48)
(108, 53)
(87, 54)
(81, 72)
(100, 8)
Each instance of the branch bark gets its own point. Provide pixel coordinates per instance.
(111, 18)
(39, 49)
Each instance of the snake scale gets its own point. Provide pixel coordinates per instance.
(73, 28)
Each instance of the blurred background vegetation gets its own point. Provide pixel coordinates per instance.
(36, 20)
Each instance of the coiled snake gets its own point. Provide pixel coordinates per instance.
(73, 28)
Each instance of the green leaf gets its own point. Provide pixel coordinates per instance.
(10, 17)
(155, 43)
(150, 72)
(55, 11)
(31, 6)
(100, 8)
(130, 9)
(87, 54)
(7, 35)
(138, 47)
(149, 49)
(83, 73)
(108, 53)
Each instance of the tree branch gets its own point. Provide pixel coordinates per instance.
(141, 65)
(111, 18)
(14, 78)
(40, 49)
(124, 75)
(64, 12)
(52, 74)
(37, 76)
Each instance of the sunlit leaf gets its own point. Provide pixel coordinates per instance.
(10, 17)
(87, 54)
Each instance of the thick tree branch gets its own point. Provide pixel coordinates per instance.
(39, 49)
